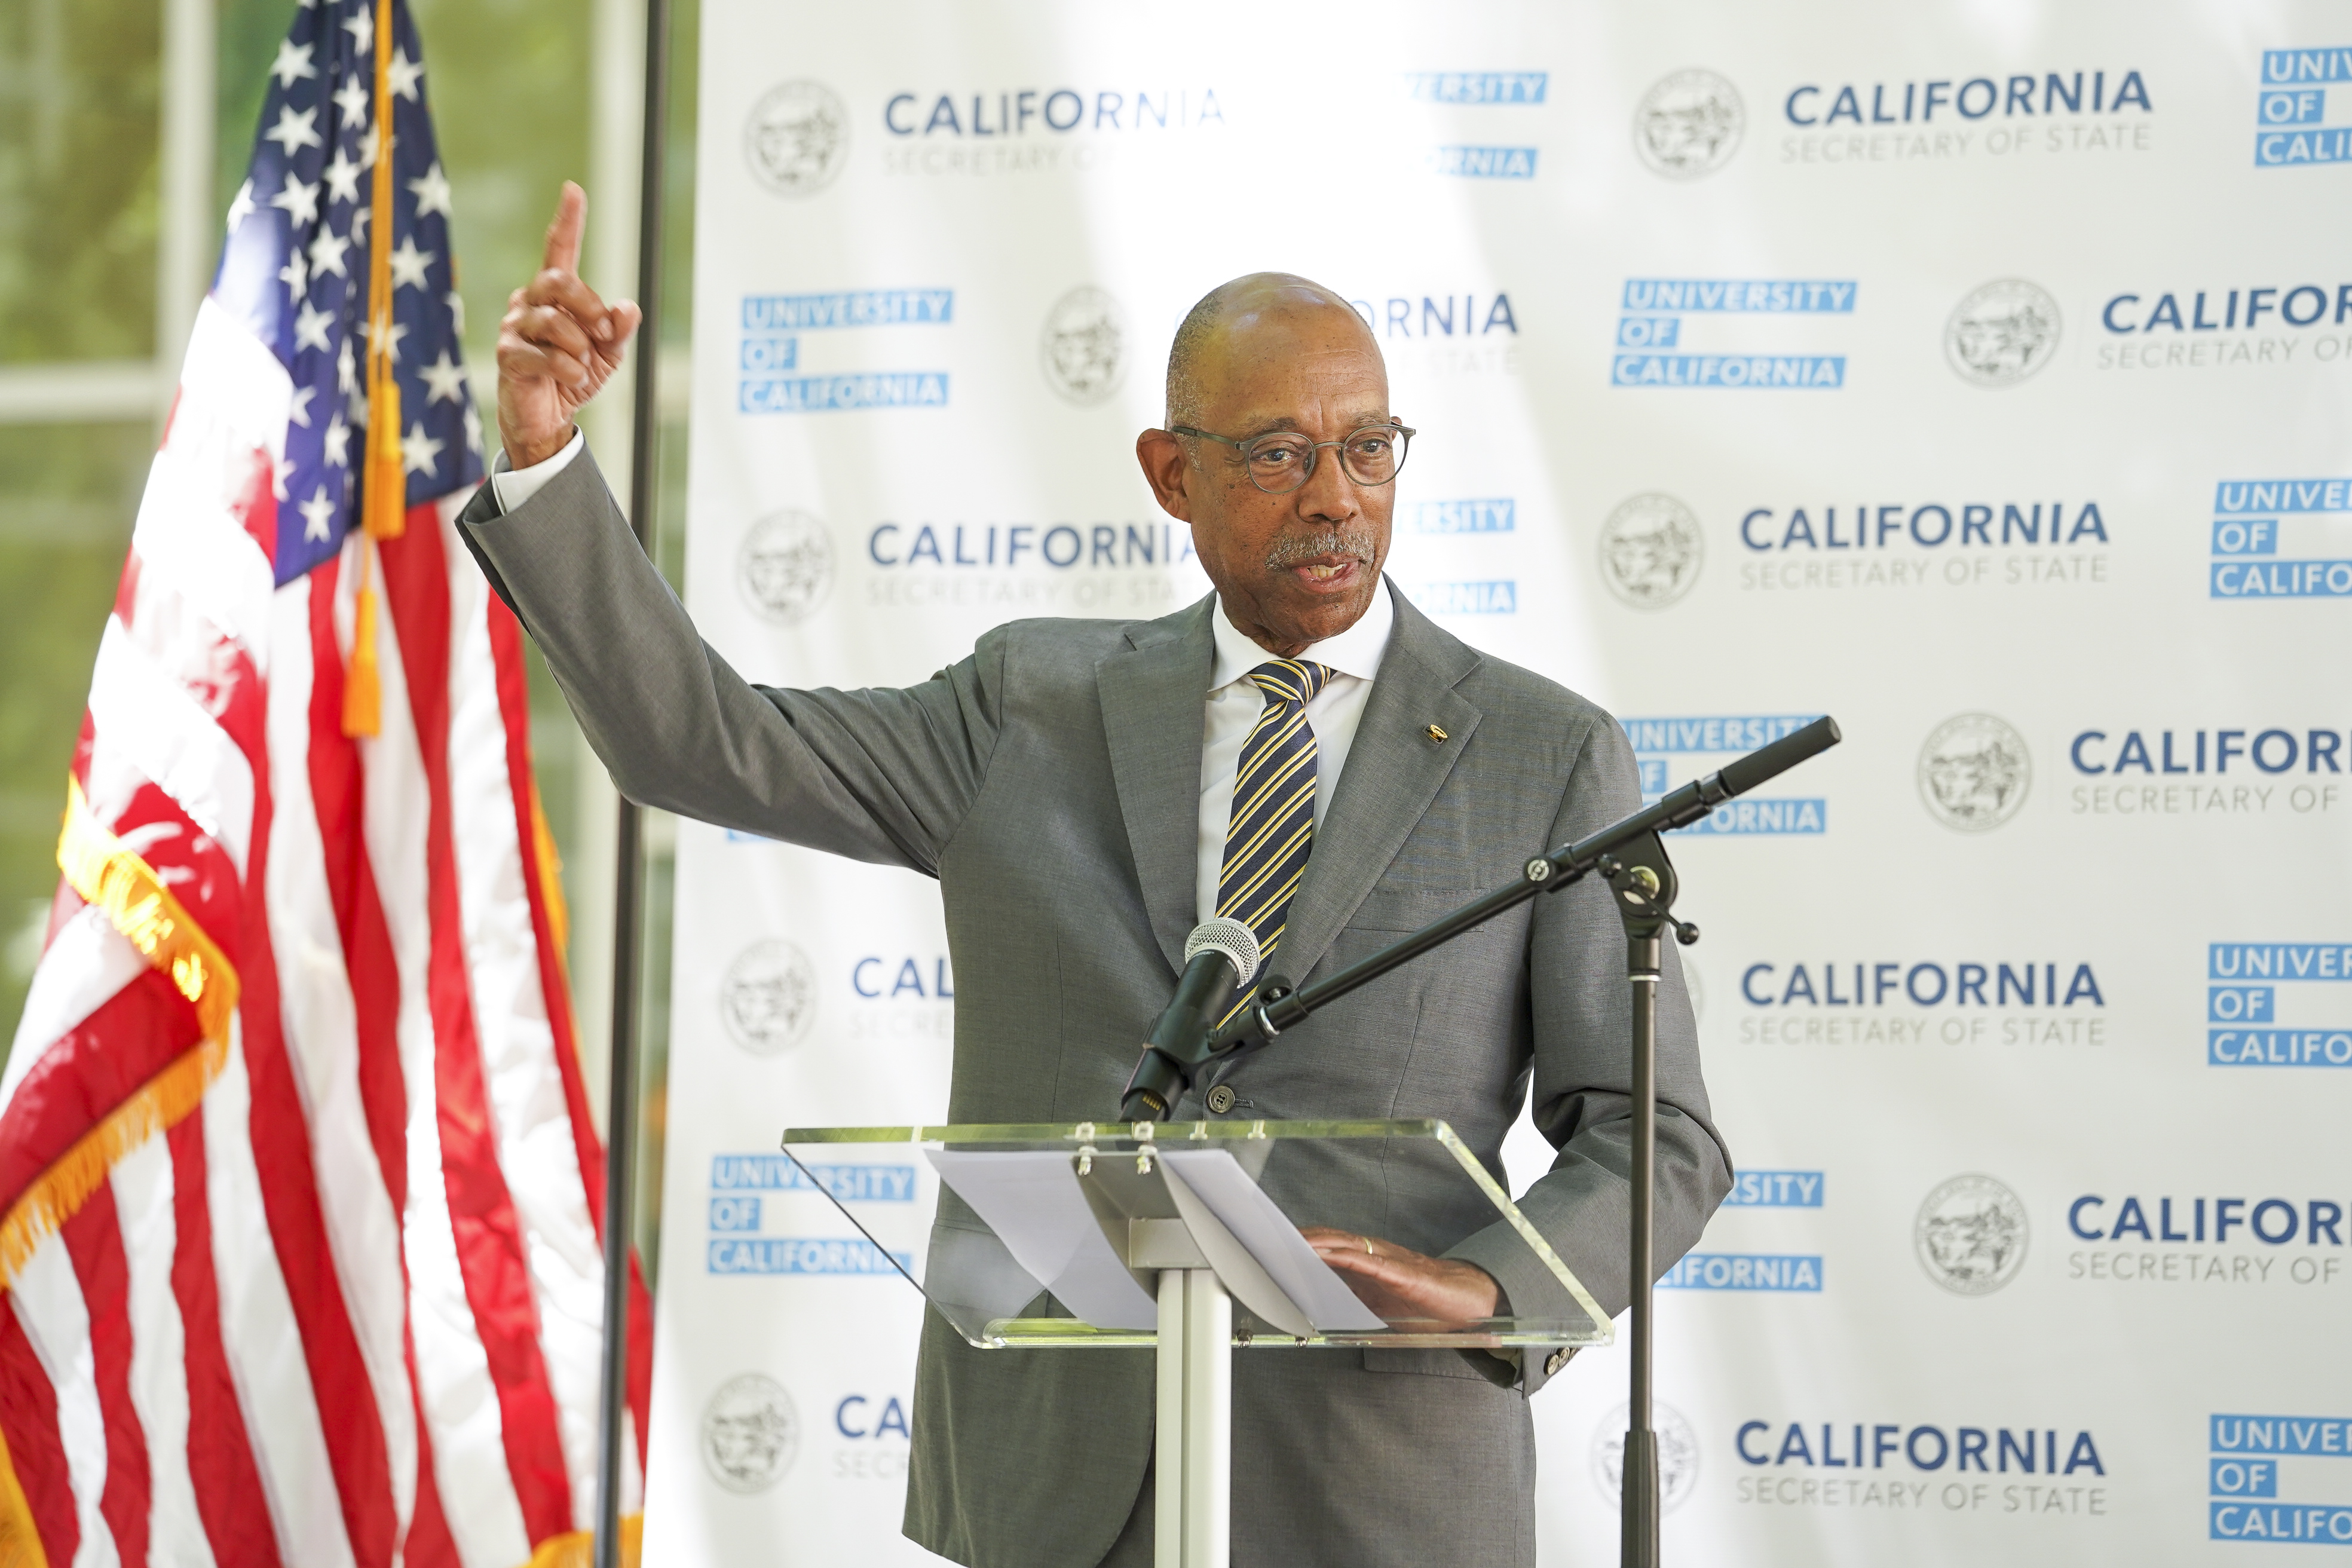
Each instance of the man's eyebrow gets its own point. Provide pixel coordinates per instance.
(1284, 422)
(1270, 427)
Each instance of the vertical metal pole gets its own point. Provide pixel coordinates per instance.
(187, 232)
(1638, 1501)
(1167, 1443)
(616, 89)
(1208, 1458)
(612, 1429)
(628, 890)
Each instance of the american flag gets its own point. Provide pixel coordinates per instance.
(300, 1198)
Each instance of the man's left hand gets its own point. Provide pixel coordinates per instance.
(1397, 1283)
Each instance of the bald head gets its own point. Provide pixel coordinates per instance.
(1256, 312)
(1264, 354)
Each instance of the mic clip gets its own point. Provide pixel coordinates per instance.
(1259, 1029)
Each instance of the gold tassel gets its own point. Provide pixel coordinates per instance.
(386, 495)
(383, 475)
(363, 686)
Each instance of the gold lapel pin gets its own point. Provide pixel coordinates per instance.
(1437, 732)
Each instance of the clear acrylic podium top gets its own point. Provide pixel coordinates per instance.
(1094, 1210)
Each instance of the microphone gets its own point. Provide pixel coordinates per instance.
(1219, 957)
(1745, 774)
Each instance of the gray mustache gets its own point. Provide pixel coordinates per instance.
(1299, 549)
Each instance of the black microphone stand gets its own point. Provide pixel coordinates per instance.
(1629, 856)
(1645, 883)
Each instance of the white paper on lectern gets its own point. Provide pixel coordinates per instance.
(1031, 1199)
(1267, 1234)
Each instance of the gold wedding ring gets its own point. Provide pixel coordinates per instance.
(1367, 1247)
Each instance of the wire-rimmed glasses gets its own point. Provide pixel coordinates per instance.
(1282, 460)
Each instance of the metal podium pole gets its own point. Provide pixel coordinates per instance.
(1208, 1420)
(1168, 1433)
(1192, 1470)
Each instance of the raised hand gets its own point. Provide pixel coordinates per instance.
(558, 343)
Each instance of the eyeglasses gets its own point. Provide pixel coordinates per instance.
(1282, 460)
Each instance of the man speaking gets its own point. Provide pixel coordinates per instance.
(1303, 751)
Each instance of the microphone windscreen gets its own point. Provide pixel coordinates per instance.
(1230, 937)
(1747, 772)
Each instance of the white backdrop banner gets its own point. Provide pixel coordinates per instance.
(1979, 374)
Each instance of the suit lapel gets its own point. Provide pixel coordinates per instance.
(1393, 772)
(1152, 696)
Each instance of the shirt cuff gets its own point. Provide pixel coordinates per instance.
(511, 487)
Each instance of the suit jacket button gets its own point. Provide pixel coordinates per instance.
(1554, 1362)
(1221, 1099)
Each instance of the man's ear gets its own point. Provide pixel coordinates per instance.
(1168, 469)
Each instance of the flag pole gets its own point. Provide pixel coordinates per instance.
(613, 1428)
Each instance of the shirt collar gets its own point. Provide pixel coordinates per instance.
(1356, 651)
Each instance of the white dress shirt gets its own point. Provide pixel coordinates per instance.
(1234, 705)
(511, 487)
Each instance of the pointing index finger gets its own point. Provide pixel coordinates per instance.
(563, 233)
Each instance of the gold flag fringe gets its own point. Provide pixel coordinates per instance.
(550, 880)
(106, 873)
(20, 1543)
(575, 1550)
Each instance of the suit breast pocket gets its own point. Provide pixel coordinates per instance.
(1402, 909)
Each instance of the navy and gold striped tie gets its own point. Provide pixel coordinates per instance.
(1272, 829)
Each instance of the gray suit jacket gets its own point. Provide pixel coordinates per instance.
(1049, 781)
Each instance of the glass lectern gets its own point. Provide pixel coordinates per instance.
(1185, 1236)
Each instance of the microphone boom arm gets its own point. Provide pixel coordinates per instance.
(1280, 1008)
